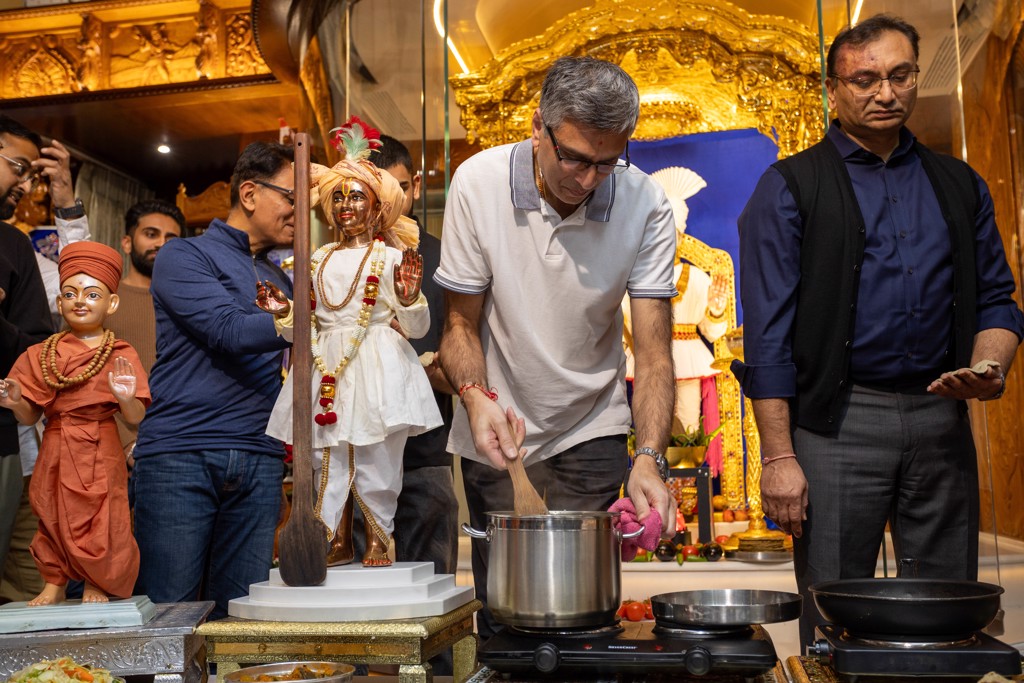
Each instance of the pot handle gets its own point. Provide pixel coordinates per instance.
(475, 533)
(632, 534)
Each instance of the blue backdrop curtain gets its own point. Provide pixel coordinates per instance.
(731, 163)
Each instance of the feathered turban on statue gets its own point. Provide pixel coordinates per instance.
(356, 141)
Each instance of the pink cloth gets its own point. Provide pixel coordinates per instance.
(712, 418)
(627, 523)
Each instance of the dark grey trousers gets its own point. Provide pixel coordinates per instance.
(903, 458)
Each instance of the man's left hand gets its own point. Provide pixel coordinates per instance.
(647, 490)
(55, 164)
(968, 383)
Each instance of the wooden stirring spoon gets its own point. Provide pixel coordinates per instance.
(525, 499)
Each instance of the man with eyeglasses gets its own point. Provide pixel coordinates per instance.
(541, 241)
(877, 299)
(207, 478)
(24, 313)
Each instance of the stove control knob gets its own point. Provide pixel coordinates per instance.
(546, 658)
(698, 661)
(820, 651)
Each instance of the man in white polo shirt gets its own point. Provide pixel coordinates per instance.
(541, 241)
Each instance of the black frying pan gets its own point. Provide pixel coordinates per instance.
(911, 608)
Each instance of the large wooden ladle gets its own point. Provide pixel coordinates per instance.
(525, 499)
(302, 544)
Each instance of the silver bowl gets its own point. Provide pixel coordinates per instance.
(333, 672)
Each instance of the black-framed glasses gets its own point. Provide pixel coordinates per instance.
(22, 170)
(288, 194)
(577, 165)
(899, 81)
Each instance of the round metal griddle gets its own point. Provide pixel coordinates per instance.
(726, 607)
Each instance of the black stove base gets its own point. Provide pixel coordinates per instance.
(637, 650)
(853, 659)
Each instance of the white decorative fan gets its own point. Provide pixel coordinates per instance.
(679, 184)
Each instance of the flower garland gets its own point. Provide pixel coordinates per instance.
(370, 290)
(48, 361)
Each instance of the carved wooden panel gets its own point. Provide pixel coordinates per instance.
(123, 44)
(995, 151)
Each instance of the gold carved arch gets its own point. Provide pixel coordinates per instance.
(700, 66)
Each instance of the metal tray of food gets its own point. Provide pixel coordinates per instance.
(321, 672)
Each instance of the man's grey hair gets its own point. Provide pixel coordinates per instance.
(591, 93)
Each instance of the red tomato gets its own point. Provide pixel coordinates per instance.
(689, 550)
(635, 611)
(621, 612)
(650, 610)
(721, 539)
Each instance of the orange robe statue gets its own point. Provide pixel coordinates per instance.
(79, 489)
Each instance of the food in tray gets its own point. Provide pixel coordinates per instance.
(63, 670)
(303, 672)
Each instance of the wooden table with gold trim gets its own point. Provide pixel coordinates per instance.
(410, 643)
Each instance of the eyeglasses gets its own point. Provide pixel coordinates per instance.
(288, 194)
(22, 171)
(578, 165)
(899, 81)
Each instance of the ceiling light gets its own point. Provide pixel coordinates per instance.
(163, 149)
(855, 19)
(439, 25)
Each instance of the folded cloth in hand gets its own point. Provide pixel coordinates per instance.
(627, 523)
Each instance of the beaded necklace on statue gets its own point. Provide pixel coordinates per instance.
(378, 252)
(48, 361)
(355, 281)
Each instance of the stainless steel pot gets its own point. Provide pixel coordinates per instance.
(559, 570)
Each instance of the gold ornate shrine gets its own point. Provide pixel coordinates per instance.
(122, 44)
(701, 66)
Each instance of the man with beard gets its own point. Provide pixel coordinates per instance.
(24, 314)
(148, 225)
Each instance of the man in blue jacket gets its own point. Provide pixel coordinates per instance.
(207, 479)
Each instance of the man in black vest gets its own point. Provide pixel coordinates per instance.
(877, 299)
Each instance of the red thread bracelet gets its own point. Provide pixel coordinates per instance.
(491, 393)
(766, 460)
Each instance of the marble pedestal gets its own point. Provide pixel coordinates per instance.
(410, 643)
(355, 593)
(166, 646)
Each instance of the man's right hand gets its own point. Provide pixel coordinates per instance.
(490, 427)
(55, 164)
(784, 494)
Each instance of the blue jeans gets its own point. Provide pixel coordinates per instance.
(585, 478)
(204, 522)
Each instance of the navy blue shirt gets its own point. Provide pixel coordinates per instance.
(904, 302)
(218, 357)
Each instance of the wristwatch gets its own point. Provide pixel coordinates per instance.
(76, 210)
(659, 460)
(1002, 388)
